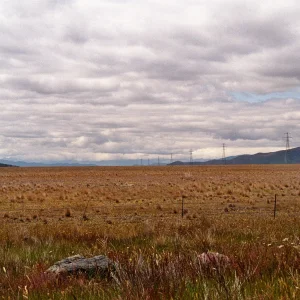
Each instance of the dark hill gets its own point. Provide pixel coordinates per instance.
(291, 156)
(5, 165)
(177, 163)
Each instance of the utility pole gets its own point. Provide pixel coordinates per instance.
(224, 154)
(148, 162)
(191, 157)
(158, 161)
(287, 146)
(171, 159)
(141, 161)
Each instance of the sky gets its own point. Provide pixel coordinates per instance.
(130, 79)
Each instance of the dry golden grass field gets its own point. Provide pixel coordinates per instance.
(134, 216)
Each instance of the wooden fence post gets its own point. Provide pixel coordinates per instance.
(275, 203)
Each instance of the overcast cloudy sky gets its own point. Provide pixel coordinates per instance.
(111, 79)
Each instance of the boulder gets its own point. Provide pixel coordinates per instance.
(77, 264)
(213, 259)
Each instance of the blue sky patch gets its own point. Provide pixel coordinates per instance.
(254, 98)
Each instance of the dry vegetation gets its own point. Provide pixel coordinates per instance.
(133, 215)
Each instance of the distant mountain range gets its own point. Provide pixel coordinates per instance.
(9, 163)
(291, 156)
(74, 163)
(6, 165)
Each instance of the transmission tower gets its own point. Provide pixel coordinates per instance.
(191, 156)
(224, 154)
(287, 146)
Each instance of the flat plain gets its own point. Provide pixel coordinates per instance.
(155, 222)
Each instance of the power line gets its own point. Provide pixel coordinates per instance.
(191, 156)
(224, 154)
(287, 146)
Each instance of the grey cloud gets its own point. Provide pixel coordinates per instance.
(285, 64)
(264, 32)
(77, 35)
(115, 78)
(54, 85)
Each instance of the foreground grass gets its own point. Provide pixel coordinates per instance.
(133, 216)
(158, 260)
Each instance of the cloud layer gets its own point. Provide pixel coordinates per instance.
(124, 79)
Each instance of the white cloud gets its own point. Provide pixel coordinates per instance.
(108, 79)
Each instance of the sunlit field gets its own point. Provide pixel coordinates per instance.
(154, 222)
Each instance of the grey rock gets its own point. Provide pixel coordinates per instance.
(214, 259)
(97, 265)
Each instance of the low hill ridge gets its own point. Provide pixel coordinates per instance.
(291, 156)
